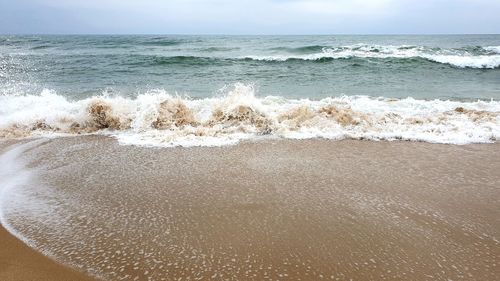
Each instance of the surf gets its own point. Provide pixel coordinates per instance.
(479, 57)
(157, 118)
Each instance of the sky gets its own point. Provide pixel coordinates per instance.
(249, 16)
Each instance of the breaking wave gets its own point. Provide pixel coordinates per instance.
(159, 119)
(471, 57)
(474, 57)
(467, 57)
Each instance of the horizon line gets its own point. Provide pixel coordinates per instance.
(244, 34)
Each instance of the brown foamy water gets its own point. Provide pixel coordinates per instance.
(270, 210)
(161, 120)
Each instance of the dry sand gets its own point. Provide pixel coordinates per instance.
(277, 210)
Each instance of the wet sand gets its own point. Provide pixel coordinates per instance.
(269, 210)
(18, 262)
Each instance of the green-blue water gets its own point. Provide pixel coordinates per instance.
(458, 67)
(218, 90)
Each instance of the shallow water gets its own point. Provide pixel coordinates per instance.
(284, 210)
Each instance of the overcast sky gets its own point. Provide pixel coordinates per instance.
(250, 16)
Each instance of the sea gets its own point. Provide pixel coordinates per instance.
(179, 90)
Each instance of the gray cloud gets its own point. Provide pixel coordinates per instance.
(249, 17)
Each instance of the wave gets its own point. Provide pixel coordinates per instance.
(301, 50)
(474, 57)
(41, 47)
(478, 62)
(159, 119)
(493, 49)
(217, 49)
(469, 57)
(188, 60)
(162, 42)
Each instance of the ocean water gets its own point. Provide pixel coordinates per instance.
(216, 90)
(127, 212)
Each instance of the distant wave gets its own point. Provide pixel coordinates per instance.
(217, 49)
(161, 42)
(40, 47)
(159, 119)
(166, 41)
(471, 57)
(301, 50)
(190, 60)
(485, 62)
(494, 49)
(179, 59)
(475, 57)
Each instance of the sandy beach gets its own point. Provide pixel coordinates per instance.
(264, 210)
(18, 262)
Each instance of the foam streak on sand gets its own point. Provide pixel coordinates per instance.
(273, 210)
(13, 174)
(159, 119)
(17, 260)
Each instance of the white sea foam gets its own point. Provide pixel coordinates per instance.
(455, 58)
(14, 175)
(159, 119)
(466, 61)
(495, 49)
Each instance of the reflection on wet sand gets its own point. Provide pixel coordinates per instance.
(269, 210)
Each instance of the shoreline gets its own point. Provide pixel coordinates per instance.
(305, 208)
(20, 262)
